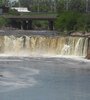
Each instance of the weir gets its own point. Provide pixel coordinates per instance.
(43, 45)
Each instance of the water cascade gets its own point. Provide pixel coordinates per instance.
(40, 45)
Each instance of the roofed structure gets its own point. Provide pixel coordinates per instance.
(21, 9)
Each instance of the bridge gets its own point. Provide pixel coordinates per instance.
(25, 21)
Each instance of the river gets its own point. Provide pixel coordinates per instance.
(40, 78)
(44, 68)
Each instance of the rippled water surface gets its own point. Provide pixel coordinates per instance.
(39, 78)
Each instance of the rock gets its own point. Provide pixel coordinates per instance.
(88, 56)
(88, 50)
(77, 33)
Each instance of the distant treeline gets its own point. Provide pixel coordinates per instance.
(75, 16)
(54, 5)
(70, 21)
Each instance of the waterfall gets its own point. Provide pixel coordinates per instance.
(39, 45)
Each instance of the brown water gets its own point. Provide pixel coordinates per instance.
(43, 45)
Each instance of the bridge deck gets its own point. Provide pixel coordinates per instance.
(32, 17)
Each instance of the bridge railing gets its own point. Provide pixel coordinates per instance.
(39, 13)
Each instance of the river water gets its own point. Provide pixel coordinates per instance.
(44, 68)
(44, 78)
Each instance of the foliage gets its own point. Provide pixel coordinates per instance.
(13, 12)
(72, 16)
(83, 23)
(4, 2)
(40, 24)
(54, 5)
(61, 6)
(39, 5)
(73, 21)
(67, 21)
(77, 5)
(3, 21)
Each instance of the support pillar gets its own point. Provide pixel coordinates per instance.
(13, 23)
(19, 25)
(30, 25)
(25, 24)
(51, 25)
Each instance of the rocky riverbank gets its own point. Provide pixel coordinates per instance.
(88, 51)
(80, 34)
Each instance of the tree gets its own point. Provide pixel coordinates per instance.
(1, 2)
(83, 23)
(40, 5)
(77, 5)
(67, 21)
(60, 6)
(3, 22)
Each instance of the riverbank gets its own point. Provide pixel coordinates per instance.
(80, 34)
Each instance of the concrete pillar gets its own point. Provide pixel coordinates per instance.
(19, 25)
(13, 23)
(51, 23)
(30, 25)
(25, 24)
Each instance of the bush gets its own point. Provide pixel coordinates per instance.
(73, 21)
(3, 22)
(83, 23)
(13, 12)
(40, 24)
(67, 21)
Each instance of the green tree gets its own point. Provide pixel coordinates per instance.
(77, 5)
(60, 6)
(67, 21)
(0, 2)
(83, 23)
(3, 22)
(13, 12)
(4, 2)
